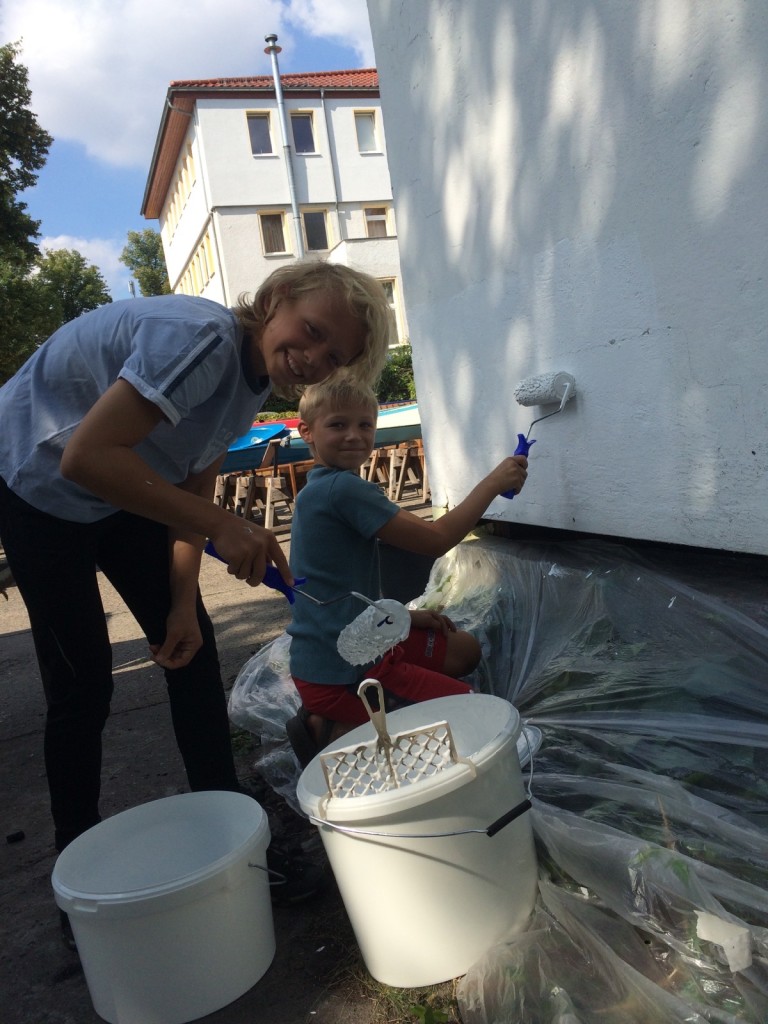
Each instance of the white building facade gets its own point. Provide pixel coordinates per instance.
(236, 195)
(582, 187)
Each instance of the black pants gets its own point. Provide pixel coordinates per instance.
(54, 564)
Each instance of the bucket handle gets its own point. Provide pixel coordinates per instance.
(505, 819)
(491, 830)
(273, 877)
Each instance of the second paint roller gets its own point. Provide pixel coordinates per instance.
(546, 389)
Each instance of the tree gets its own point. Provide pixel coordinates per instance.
(396, 383)
(33, 304)
(24, 318)
(144, 257)
(24, 146)
(71, 285)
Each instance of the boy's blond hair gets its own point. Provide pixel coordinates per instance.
(364, 296)
(337, 393)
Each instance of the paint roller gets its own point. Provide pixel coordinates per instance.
(546, 389)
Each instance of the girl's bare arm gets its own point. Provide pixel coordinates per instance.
(101, 457)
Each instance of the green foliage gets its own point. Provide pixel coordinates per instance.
(396, 383)
(24, 146)
(429, 1015)
(24, 308)
(72, 285)
(279, 408)
(24, 317)
(33, 304)
(144, 257)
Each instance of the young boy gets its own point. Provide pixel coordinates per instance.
(336, 522)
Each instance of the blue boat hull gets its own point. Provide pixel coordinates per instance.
(394, 426)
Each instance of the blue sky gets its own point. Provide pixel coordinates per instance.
(99, 71)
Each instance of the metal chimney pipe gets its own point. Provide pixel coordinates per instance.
(273, 49)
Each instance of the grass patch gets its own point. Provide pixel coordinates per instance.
(242, 742)
(433, 1005)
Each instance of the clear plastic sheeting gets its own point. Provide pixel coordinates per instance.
(647, 675)
(261, 701)
(650, 788)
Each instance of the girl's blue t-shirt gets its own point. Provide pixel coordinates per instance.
(182, 353)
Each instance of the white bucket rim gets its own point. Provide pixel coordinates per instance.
(389, 803)
(70, 895)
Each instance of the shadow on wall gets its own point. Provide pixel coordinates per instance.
(585, 190)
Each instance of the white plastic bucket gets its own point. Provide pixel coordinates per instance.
(170, 906)
(424, 909)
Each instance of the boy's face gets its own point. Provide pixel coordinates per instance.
(341, 439)
(307, 339)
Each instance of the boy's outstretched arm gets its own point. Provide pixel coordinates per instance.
(411, 533)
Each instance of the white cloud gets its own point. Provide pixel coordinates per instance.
(102, 253)
(99, 69)
(343, 21)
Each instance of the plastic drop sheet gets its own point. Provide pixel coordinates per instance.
(650, 787)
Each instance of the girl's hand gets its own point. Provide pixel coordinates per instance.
(423, 618)
(182, 640)
(246, 548)
(509, 475)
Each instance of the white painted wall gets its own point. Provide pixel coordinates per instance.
(235, 175)
(244, 264)
(361, 176)
(582, 186)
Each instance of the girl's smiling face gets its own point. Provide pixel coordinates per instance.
(306, 339)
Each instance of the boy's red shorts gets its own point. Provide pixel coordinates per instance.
(411, 672)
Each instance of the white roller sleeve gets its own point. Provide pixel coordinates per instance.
(377, 630)
(546, 389)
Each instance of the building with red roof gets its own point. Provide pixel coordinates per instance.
(244, 177)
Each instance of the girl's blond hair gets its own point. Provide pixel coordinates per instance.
(339, 392)
(364, 296)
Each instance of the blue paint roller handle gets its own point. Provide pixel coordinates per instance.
(523, 447)
(272, 577)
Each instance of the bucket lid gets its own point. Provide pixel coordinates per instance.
(483, 728)
(159, 847)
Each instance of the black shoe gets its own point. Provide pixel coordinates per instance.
(292, 879)
(301, 738)
(66, 931)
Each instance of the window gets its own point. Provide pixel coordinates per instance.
(365, 125)
(210, 262)
(185, 180)
(315, 233)
(303, 139)
(376, 221)
(189, 163)
(389, 289)
(200, 269)
(258, 129)
(272, 232)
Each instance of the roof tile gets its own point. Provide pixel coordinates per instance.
(357, 78)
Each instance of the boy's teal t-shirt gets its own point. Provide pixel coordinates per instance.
(333, 544)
